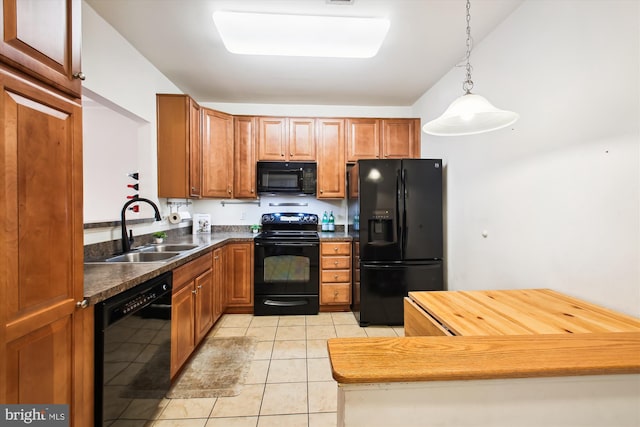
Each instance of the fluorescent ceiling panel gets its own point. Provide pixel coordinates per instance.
(300, 35)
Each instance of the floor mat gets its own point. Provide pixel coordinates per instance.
(217, 370)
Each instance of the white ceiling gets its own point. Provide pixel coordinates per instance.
(426, 39)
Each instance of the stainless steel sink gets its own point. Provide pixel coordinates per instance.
(143, 257)
(169, 247)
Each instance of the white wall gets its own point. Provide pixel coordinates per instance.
(558, 192)
(123, 82)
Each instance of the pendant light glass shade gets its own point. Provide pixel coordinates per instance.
(470, 114)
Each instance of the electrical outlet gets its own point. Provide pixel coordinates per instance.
(243, 216)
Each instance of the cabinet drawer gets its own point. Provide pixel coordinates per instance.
(335, 294)
(336, 262)
(418, 323)
(336, 248)
(335, 276)
(185, 273)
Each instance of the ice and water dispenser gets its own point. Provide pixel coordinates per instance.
(381, 229)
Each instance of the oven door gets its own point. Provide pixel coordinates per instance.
(286, 268)
(286, 278)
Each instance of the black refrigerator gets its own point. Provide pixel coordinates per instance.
(401, 233)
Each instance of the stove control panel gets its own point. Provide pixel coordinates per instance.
(289, 218)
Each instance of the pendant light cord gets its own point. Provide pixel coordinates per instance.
(467, 85)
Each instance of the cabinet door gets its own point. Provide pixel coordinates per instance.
(195, 150)
(272, 138)
(353, 180)
(179, 146)
(363, 139)
(217, 154)
(239, 274)
(332, 168)
(41, 268)
(302, 139)
(400, 138)
(244, 179)
(182, 326)
(42, 38)
(204, 310)
(219, 285)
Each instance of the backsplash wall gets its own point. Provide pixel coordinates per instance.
(248, 212)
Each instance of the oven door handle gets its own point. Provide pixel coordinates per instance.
(285, 303)
(286, 244)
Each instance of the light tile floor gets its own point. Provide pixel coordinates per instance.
(289, 383)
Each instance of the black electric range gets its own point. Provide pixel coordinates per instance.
(287, 260)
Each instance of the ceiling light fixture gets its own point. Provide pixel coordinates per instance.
(300, 35)
(469, 114)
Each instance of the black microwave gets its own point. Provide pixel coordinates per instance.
(286, 178)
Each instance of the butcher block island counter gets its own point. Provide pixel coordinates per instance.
(508, 312)
(493, 358)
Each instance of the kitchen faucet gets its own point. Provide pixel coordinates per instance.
(126, 243)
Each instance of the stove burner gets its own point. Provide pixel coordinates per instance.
(289, 225)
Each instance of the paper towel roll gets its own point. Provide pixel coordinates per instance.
(177, 217)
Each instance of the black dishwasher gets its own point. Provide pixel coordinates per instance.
(133, 351)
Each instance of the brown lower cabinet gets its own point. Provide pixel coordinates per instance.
(335, 276)
(191, 308)
(203, 290)
(239, 276)
(219, 284)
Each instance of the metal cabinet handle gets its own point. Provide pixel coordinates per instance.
(321, 191)
(82, 304)
(79, 75)
(335, 249)
(195, 292)
(199, 286)
(335, 262)
(252, 190)
(335, 293)
(335, 276)
(291, 154)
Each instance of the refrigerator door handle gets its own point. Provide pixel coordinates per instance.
(404, 212)
(398, 213)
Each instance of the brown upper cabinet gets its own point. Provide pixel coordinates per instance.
(244, 181)
(400, 138)
(179, 146)
(363, 139)
(207, 153)
(382, 139)
(42, 39)
(286, 139)
(331, 164)
(217, 154)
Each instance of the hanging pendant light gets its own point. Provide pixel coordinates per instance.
(469, 114)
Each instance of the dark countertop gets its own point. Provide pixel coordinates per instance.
(104, 280)
(340, 235)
